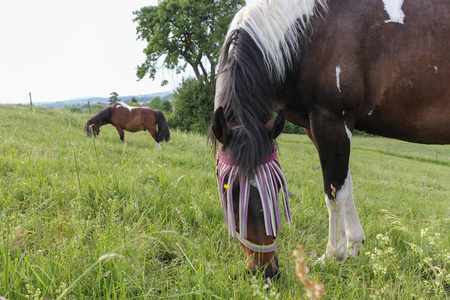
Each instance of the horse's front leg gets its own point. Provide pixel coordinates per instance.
(353, 228)
(121, 133)
(154, 134)
(333, 141)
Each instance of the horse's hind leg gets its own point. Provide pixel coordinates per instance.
(154, 133)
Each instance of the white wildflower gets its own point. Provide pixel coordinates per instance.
(423, 232)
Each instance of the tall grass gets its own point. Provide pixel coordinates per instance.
(85, 218)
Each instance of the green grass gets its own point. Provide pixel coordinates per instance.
(85, 218)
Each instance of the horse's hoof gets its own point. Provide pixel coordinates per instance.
(321, 261)
(355, 250)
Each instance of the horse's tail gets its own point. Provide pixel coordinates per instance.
(163, 127)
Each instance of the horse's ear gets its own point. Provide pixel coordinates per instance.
(276, 125)
(220, 126)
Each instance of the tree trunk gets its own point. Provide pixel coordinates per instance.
(196, 71)
(205, 73)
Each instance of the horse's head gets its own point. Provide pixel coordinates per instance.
(91, 128)
(230, 137)
(250, 198)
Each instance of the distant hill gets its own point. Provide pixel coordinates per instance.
(92, 100)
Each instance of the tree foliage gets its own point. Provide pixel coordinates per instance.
(114, 98)
(162, 104)
(194, 106)
(184, 32)
(292, 128)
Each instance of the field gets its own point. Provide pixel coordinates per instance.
(85, 218)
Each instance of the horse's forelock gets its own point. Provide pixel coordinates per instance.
(245, 99)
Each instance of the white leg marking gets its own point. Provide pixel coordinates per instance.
(394, 10)
(337, 241)
(158, 146)
(123, 150)
(338, 72)
(349, 133)
(345, 232)
(353, 228)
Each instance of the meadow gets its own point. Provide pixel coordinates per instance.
(92, 218)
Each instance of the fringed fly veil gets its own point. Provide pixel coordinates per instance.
(268, 179)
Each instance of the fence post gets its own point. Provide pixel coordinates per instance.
(31, 101)
(89, 105)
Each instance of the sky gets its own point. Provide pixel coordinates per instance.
(58, 50)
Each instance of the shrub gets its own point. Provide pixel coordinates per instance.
(194, 106)
(292, 128)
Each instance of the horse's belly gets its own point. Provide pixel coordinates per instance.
(429, 126)
(133, 128)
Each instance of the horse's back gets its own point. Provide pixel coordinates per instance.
(133, 118)
(385, 64)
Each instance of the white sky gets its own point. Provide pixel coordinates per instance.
(65, 49)
(60, 50)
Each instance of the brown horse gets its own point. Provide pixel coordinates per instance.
(124, 117)
(379, 66)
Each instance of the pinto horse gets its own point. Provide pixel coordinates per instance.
(380, 66)
(133, 119)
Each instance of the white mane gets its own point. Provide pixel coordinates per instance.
(274, 26)
(127, 106)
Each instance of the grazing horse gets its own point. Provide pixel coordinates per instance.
(124, 117)
(380, 66)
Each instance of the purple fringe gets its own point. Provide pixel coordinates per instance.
(268, 179)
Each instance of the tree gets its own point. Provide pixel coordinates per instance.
(114, 98)
(155, 103)
(184, 32)
(134, 100)
(161, 104)
(292, 128)
(166, 105)
(194, 106)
